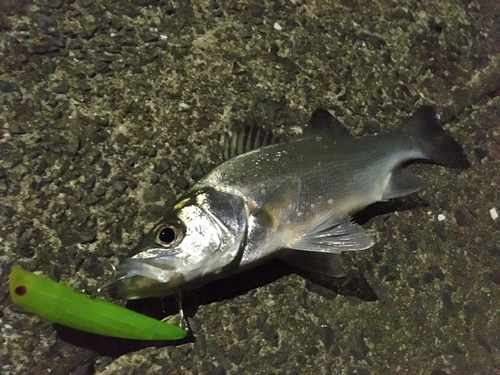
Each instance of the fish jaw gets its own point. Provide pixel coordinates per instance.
(138, 277)
(141, 279)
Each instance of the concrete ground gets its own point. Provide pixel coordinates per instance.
(109, 110)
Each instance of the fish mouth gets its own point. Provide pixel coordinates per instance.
(136, 278)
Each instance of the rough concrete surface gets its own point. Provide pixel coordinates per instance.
(110, 109)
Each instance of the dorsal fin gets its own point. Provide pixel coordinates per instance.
(246, 138)
(322, 123)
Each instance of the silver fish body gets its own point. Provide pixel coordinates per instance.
(296, 195)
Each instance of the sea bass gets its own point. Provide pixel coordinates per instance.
(292, 199)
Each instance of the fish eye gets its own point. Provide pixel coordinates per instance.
(168, 235)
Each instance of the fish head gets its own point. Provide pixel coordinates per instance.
(200, 239)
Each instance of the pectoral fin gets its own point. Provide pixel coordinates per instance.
(334, 236)
(323, 263)
(277, 206)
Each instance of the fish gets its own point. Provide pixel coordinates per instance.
(293, 199)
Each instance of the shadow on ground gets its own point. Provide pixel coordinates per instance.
(354, 284)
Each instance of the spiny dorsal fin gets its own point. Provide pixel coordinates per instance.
(246, 138)
(322, 123)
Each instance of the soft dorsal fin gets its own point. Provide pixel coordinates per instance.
(322, 123)
(245, 139)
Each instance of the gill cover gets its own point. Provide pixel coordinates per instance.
(202, 237)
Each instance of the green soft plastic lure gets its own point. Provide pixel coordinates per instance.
(61, 304)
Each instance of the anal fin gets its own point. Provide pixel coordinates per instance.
(402, 182)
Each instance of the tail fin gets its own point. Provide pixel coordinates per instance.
(434, 142)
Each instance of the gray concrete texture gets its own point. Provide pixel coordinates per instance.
(109, 110)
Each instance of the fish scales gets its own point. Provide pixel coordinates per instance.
(328, 170)
(337, 178)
